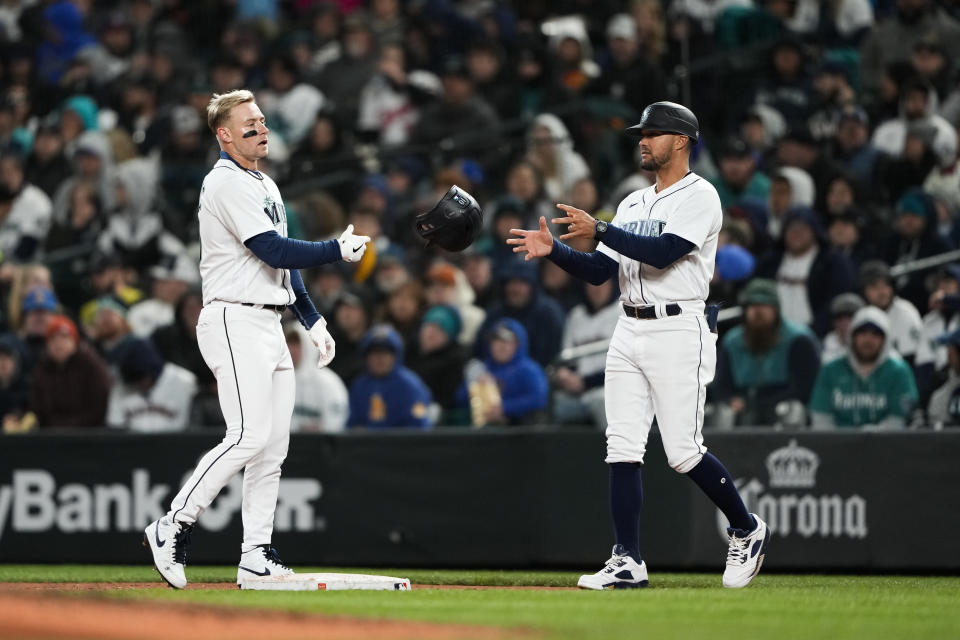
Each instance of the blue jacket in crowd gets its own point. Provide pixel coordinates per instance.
(399, 399)
(522, 382)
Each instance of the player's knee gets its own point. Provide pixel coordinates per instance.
(682, 462)
(253, 441)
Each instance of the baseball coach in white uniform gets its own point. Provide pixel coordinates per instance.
(662, 245)
(249, 272)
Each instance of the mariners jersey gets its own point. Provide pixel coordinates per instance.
(236, 205)
(689, 208)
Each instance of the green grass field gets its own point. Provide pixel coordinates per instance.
(687, 605)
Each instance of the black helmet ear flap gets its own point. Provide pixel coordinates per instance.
(454, 223)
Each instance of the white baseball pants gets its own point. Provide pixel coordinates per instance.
(659, 367)
(246, 350)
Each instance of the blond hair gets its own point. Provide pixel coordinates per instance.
(220, 105)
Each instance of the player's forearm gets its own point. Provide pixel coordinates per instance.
(303, 307)
(594, 267)
(659, 252)
(287, 253)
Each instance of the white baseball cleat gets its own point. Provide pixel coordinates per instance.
(745, 554)
(619, 572)
(168, 542)
(260, 562)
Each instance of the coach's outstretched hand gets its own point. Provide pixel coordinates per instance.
(580, 223)
(324, 343)
(352, 246)
(536, 243)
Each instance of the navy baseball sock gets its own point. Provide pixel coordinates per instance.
(715, 481)
(626, 500)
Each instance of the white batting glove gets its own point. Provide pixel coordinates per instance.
(352, 246)
(323, 341)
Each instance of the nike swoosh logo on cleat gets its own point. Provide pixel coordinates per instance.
(156, 534)
(265, 572)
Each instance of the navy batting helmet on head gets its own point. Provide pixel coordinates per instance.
(454, 223)
(668, 117)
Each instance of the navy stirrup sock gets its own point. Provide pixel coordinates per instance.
(626, 500)
(715, 481)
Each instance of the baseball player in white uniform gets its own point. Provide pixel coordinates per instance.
(662, 245)
(249, 276)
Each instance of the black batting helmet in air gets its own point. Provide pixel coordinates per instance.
(668, 117)
(454, 223)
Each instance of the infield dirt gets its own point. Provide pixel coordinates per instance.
(41, 611)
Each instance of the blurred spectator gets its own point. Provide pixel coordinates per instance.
(289, 104)
(448, 285)
(832, 95)
(13, 383)
(150, 395)
(807, 271)
(108, 277)
(837, 342)
(942, 318)
(579, 395)
(915, 237)
(388, 102)
(350, 321)
(522, 383)
(24, 226)
(790, 188)
(628, 76)
(387, 394)
(851, 147)
(550, 150)
(560, 285)
(848, 235)
(765, 366)
(799, 149)
(322, 401)
(47, 166)
(110, 330)
(917, 109)
(71, 244)
(898, 174)
(789, 87)
(893, 37)
(171, 280)
(92, 162)
(761, 127)
(404, 309)
(460, 113)
(64, 38)
(525, 183)
(71, 383)
(134, 229)
(872, 387)
(738, 177)
(486, 63)
(38, 308)
(904, 323)
(343, 78)
(541, 316)
(478, 269)
(438, 358)
(944, 407)
(572, 57)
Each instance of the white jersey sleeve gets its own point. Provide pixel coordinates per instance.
(696, 217)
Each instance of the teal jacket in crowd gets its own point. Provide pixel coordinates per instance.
(884, 399)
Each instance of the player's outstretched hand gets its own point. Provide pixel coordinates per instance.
(323, 341)
(580, 224)
(352, 246)
(536, 243)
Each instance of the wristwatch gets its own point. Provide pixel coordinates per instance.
(599, 228)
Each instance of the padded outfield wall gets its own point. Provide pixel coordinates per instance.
(505, 498)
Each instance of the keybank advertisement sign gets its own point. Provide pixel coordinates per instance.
(34, 502)
(790, 502)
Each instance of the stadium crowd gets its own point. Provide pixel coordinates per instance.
(829, 131)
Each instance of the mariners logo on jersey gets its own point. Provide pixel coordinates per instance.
(650, 228)
(274, 210)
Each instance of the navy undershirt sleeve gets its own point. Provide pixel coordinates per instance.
(287, 253)
(658, 252)
(303, 307)
(594, 267)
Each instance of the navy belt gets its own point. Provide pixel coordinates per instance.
(650, 313)
(279, 308)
